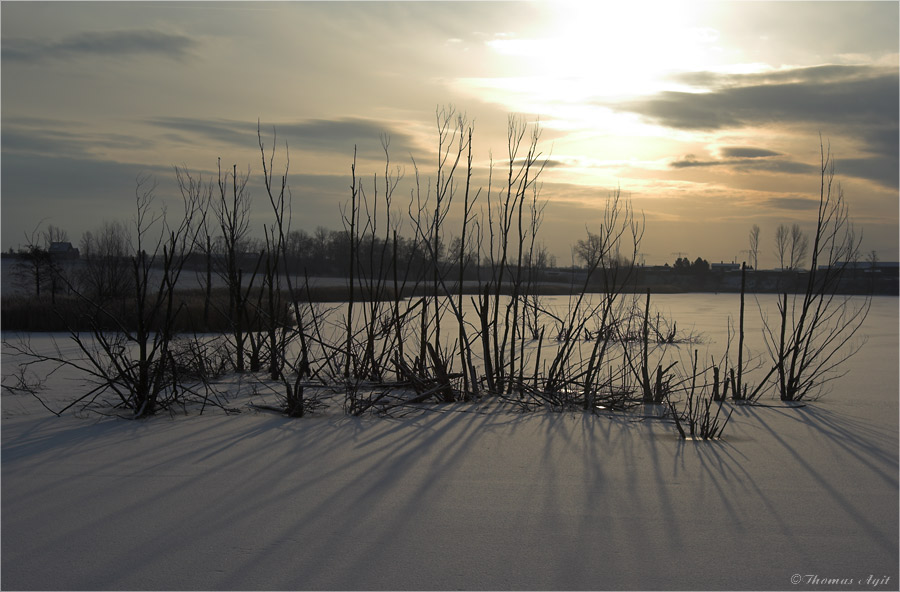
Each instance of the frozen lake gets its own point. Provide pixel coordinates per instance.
(464, 496)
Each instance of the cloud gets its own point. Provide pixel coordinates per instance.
(223, 131)
(747, 164)
(55, 140)
(541, 163)
(881, 140)
(861, 102)
(746, 152)
(868, 101)
(690, 160)
(77, 192)
(105, 43)
(792, 203)
(815, 74)
(337, 136)
(74, 193)
(857, 102)
(883, 170)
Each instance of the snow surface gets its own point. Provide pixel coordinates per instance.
(459, 496)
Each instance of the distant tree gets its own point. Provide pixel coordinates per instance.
(781, 240)
(106, 271)
(588, 250)
(35, 264)
(791, 246)
(37, 268)
(700, 266)
(872, 258)
(754, 246)
(54, 234)
(297, 251)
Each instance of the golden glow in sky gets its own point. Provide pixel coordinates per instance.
(707, 114)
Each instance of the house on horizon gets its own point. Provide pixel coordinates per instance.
(887, 268)
(63, 251)
(723, 267)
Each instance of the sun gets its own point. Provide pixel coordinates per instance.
(624, 48)
(605, 50)
(586, 56)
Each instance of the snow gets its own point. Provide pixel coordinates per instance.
(460, 496)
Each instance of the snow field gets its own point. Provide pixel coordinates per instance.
(458, 496)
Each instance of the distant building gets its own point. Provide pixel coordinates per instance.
(882, 267)
(63, 250)
(725, 267)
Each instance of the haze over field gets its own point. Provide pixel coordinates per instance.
(707, 114)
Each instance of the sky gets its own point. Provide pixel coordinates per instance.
(708, 116)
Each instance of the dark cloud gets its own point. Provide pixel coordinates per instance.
(548, 163)
(746, 152)
(77, 193)
(748, 164)
(58, 141)
(18, 140)
(884, 170)
(340, 135)
(858, 102)
(689, 160)
(879, 169)
(74, 193)
(336, 136)
(869, 102)
(552, 163)
(815, 74)
(793, 203)
(105, 43)
(788, 167)
(220, 131)
(881, 140)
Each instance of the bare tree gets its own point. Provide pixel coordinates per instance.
(799, 247)
(105, 272)
(232, 212)
(781, 244)
(130, 351)
(54, 234)
(872, 258)
(817, 327)
(588, 250)
(754, 246)
(791, 246)
(34, 262)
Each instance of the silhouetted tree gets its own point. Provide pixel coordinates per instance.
(700, 266)
(754, 246)
(791, 246)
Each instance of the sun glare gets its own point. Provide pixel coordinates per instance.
(619, 48)
(592, 54)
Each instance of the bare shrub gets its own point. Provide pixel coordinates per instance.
(815, 330)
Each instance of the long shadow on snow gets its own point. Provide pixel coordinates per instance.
(855, 438)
